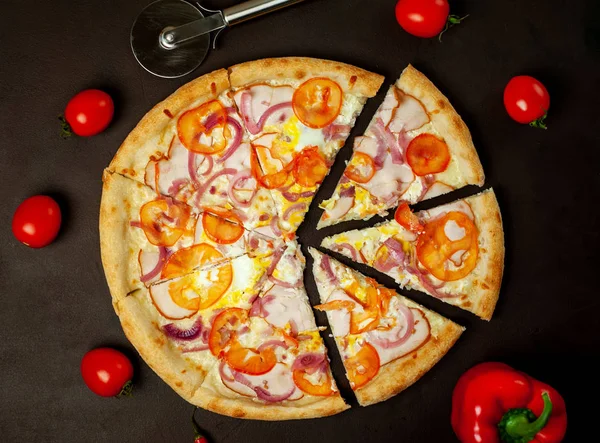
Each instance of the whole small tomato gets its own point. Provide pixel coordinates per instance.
(107, 372)
(425, 18)
(36, 221)
(89, 113)
(527, 100)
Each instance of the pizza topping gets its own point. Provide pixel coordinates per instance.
(202, 189)
(224, 329)
(310, 167)
(399, 340)
(387, 141)
(390, 255)
(220, 230)
(326, 266)
(342, 205)
(354, 254)
(163, 255)
(166, 306)
(206, 166)
(339, 304)
(186, 260)
(408, 115)
(442, 239)
(362, 366)
(273, 110)
(336, 132)
(361, 168)
(390, 182)
(250, 361)
(321, 388)
(239, 185)
(317, 102)
(437, 188)
(195, 128)
(164, 221)
(237, 139)
(296, 207)
(197, 332)
(283, 309)
(405, 218)
(427, 154)
(308, 361)
(261, 104)
(295, 196)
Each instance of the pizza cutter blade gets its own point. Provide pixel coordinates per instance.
(170, 38)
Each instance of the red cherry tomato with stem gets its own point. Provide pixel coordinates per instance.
(425, 18)
(527, 100)
(107, 372)
(88, 113)
(36, 221)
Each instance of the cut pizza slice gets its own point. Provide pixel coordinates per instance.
(170, 322)
(273, 364)
(387, 342)
(454, 252)
(146, 237)
(416, 147)
(192, 147)
(298, 113)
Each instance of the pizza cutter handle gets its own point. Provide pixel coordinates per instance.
(253, 8)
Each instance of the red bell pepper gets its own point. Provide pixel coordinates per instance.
(493, 403)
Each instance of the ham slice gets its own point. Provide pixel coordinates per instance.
(287, 307)
(261, 98)
(274, 386)
(339, 320)
(437, 188)
(391, 181)
(409, 115)
(439, 211)
(165, 304)
(343, 204)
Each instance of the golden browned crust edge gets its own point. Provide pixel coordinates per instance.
(399, 374)
(352, 79)
(202, 89)
(118, 260)
(489, 221)
(251, 410)
(446, 121)
(153, 346)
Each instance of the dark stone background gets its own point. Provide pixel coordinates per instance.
(54, 302)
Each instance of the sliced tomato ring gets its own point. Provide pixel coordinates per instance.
(361, 168)
(221, 230)
(184, 293)
(435, 250)
(204, 120)
(220, 285)
(336, 305)
(223, 329)
(250, 361)
(310, 167)
(164, 221)
(405, 218)
(273, 179)
(427, 154)
(362, 366)
(317, 102)
(186, 260)
(323, 389)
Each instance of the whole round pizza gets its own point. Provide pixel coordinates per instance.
(199, 212)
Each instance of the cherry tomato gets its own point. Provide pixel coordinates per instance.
(526, 100)
(107, 372)
(89, 112)
(37, 221)
(422, 18)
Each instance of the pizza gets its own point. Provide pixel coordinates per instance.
(198, 219)
(386, 341)
(415, 148)
(454, 252)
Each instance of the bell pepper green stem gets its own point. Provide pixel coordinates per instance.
(518, 425)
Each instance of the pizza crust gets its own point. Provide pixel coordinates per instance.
(120, 197)
(399, 374)
(153, 133)
(254, 410)
(490, 265)
(351, 79)
(446, 121)
(183, 375)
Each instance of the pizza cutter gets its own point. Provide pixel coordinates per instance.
(170, 38)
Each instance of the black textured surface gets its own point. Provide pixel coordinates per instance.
(54, 302)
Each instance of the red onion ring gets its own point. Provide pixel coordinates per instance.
(275, 226)
(386, 343)
(246, 105)
(307, 361)
(162, 259)
(326, 266)
(241, 175)
(297, 207)
(339, 247)
(265, 395)
(237, 139)
(197, 348)
(294, 196)
(350, 191)
(222, 373)
(336, 132)
(271, 111)
(179, 334)
(276, 257)
(136, 224)
(273, 344)
(282, 283)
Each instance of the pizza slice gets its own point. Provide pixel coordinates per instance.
(298, 113)
(170, 322)
(387, 342)
(273, 364)
(416, 147)
(192, 147)
(146, 237)
(454, 252)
